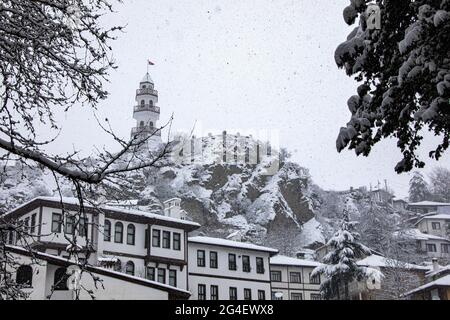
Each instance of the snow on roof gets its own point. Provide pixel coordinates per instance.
(418, 235)
(432, 272)
(380, 262)
(74, 201)
(44, 256)
(230, 243)
(289, 261)
(442, 282)
(429, 203)
(436, 216)
(147, 78)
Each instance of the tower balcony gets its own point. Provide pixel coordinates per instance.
(147, 130)
(146, 107)
(144, 91)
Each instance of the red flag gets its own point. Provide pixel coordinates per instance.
(150, 63)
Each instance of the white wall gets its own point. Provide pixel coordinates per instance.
(238, 278)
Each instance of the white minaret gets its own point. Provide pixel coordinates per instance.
(146, 113)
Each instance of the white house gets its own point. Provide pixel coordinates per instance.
(291, 279)
(228, 270)
(429, 206)
(435, 224)
(138, 243)
(45, 276)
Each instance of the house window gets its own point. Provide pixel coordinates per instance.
(201, 292)
(275, 276)
(233, 293)
(131, 231)
(259, 265)
(201, 258)
(166, 240)
(296, 296)
(445, 248)
(261, 295)
(56, 222)
(247, 294)
(176, 241)
(295, 277)
(246, 263)
(431, 247)
(60, 279)
(156, 238)
(162, 275)
(83, 227)
(146, 238)
(107, 231)
(436, 225)
(24, 276)
(173, 278)
(27, 224)
(151, 273)
(214, 292)
(69, 227)
(33, 223)
(231, 261)
(315, 279)
(118, 232)
(316, 296)
(129, 268)
(213, 259)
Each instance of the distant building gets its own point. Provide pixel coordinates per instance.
(429, 206)
(291, 279)
(222, 269)
(393, 271)
(431, 245)
(146, 113)
(435, 224)
(437, 286)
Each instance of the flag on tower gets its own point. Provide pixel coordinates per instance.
(150, 63)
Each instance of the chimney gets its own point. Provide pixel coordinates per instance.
(435, 265)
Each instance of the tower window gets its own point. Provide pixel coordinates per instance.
(142, 102)
(141, 124)
(151, 103)
(151, 124)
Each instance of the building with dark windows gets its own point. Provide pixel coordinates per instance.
(292, 280)
(137, 243)
(222, 269)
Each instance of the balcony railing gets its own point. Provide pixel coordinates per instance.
(146, 107)
(146, 130)
(146, 91)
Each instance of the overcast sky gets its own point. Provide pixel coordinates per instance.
(237, 65)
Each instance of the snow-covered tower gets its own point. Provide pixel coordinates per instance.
(146, 113)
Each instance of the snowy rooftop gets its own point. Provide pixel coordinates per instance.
(74, 201)
(147, 78)
(45, 256)
(289, 261)
(417, 234)
(380, 262)
(441, 282)
(429, 203)
(436, 216)
(432, 273)
(230, 243)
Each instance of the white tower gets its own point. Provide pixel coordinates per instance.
(146, 113)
